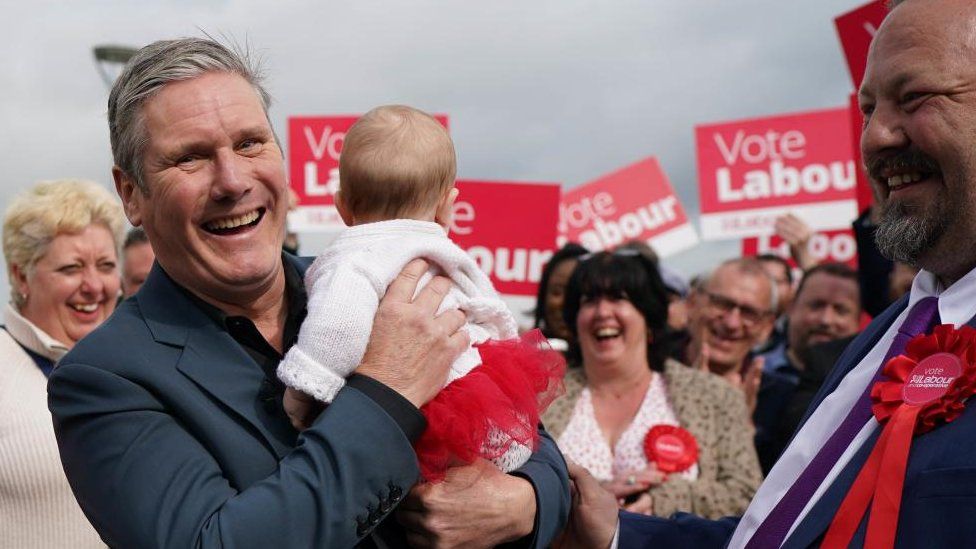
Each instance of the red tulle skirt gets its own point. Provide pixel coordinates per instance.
(503, 397)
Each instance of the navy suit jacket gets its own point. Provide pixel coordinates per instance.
(167, 442)
(938, 501)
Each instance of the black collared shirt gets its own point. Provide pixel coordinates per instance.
(243, 330)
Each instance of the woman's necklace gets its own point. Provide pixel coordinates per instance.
(616, 407)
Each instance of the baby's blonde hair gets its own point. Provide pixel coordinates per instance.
(396, 162)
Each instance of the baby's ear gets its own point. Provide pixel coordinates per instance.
(344, 212)
(445, 209)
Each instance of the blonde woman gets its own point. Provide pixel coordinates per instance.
(60, 242)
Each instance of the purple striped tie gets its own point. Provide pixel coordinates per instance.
(772, 532)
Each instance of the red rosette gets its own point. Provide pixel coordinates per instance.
(923, 388)
(671, 448)
(888, 395)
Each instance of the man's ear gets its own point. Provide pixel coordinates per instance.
(445, 208)
(344, 213)
(127, 190)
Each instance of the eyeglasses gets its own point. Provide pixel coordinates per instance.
(723, 305)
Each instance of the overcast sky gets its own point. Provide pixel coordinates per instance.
(555, 90)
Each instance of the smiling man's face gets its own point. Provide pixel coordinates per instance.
(919, 139)
(217, 194)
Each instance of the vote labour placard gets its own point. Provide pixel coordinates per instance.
(752, 171)
(634, 203)
(856, 29)
(836, 246)
(314, 145)
(509, 229)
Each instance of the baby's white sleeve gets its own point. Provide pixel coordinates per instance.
(333, 337)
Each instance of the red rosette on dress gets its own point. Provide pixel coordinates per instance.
(494, 406)
(671, 448)
(924, 388)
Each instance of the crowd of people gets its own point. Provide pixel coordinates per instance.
(196, 383)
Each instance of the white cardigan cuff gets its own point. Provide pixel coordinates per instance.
(299, 371)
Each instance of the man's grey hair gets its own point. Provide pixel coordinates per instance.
(151, 68)
(747, 266)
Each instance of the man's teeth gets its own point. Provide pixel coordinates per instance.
(233, 222)
(899, 180)
(85, 307)
(607, 332)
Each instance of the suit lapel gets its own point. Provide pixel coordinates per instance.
(854, 354)
(817, 521)
(211, 358)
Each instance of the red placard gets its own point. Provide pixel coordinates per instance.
(314, 146)
(856, 29)
(752, 171)
(633, 203)
(509, 229)
(838, 246)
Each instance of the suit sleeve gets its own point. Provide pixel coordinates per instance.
(546, 471)
(144, 480)
(738, 476)
(681, 530)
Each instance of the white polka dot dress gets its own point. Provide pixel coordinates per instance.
(584, 442)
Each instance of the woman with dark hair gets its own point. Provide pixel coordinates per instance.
(661, 436)
(552, 287)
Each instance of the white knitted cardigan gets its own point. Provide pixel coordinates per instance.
(345, 285)
(37, 508)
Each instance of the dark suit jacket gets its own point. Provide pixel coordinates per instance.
(938, 501)
(167, 442)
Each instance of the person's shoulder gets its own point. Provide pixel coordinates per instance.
(124, 334)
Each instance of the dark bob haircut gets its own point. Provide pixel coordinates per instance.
(624, 274)
(571, 250)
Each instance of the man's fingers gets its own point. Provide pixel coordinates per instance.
(405, 284)
(409, 519)
(585, 483)
(414, 501)
(418, 541)
(452, 321)
(433, 293)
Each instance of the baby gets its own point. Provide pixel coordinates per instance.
(396, 174)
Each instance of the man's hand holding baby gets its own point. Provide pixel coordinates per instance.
(410, 350)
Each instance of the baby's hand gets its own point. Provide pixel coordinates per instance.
(301, 408)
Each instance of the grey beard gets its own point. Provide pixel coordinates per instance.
(903, 237)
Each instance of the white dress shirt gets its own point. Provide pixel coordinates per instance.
(957, 305)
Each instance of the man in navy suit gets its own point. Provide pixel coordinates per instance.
(169, 416)
(919, 146)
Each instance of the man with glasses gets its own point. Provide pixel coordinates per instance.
(730, 312)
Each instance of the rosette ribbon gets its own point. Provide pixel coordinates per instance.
(923, 388)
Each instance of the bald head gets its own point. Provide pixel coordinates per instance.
(919, 140)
